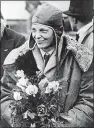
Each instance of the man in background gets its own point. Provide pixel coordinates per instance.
(9, 40)
(80, 15)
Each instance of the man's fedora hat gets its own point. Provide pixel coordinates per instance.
(80, 8)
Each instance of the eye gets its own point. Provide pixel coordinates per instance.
(43, 30)
(33, 30)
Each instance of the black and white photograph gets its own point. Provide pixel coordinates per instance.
(46, 75)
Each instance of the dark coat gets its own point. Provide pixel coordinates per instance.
(9, 41)
(77, 95)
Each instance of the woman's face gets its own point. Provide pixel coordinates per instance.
(43, 35)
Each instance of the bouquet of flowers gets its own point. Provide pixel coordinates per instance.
(34, 106)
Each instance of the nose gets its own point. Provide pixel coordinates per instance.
(37, 35)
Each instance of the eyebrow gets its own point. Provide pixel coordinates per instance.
(33, 28)
(42, 29)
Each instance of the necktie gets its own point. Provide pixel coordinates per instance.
(77, 37)
(46, 58)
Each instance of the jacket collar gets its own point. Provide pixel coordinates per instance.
(38, 57)
(86, 30)
(53, 61)
(40, 62)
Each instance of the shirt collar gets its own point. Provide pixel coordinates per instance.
(50, 52)
(85, 28)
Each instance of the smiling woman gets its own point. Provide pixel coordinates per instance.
(55, 91)
(43, 36)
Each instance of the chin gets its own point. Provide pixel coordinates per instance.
(42, 47)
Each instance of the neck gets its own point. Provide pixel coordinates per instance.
(48, 49)
(80, 25)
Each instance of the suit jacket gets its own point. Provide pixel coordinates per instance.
(9, 41)
(77, 93)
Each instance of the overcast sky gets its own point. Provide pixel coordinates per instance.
(63, 5)
(16, 9)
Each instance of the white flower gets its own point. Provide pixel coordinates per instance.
(48, 89)
(20, 73)
(43, 83)
(17, 96)
(53, 120)
(52, 86)
(31, 90)
(25, 115)
(22, 83)
(33, 125)
(55, 85)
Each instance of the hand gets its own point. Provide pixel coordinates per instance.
(43, 83)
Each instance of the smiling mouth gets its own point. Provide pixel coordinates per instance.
(40, 41)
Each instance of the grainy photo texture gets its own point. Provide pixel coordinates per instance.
(46, 64)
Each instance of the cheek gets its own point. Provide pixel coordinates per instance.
(51, 39)
(50, 36)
